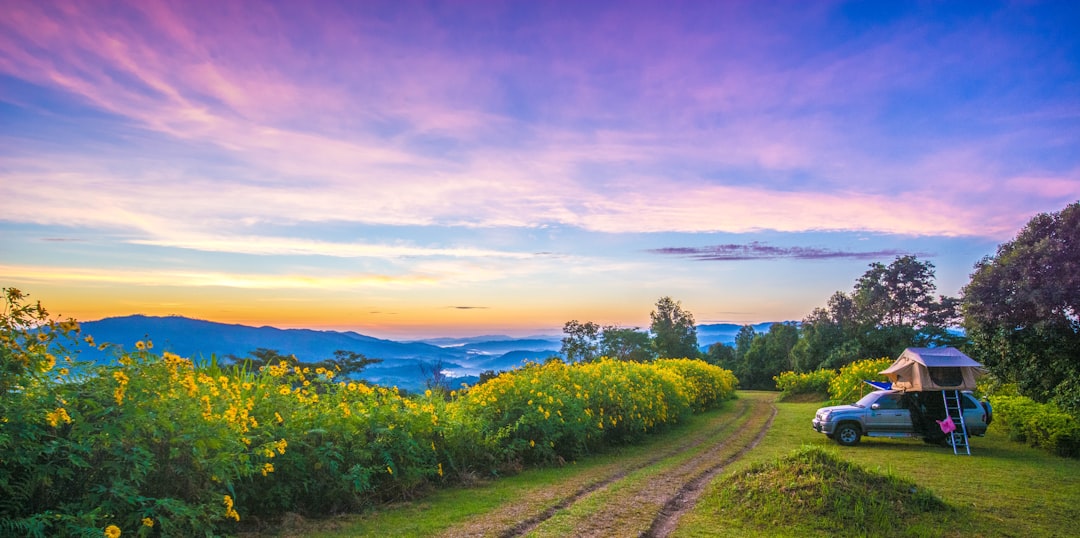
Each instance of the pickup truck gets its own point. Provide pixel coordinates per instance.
(890, 413)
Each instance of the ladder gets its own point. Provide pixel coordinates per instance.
(954, 408)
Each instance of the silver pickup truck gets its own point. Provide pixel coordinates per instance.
(888, 413)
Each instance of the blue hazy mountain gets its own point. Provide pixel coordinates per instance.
(404, 364)
(724, 333)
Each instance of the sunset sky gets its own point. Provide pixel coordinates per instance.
(416, 169)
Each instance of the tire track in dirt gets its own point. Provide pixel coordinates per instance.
(524, 523)
(635, 505)
(688, 495)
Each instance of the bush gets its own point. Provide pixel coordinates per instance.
(1039, 425)
(791, 383)
(558, 411)
(708, 384)
(849, 385)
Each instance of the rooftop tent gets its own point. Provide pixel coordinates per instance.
(938, 368)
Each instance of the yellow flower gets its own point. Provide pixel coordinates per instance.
(50, 362)
(147, 522)
(229, 512)
(389, 470)
(267, 468)
(440, 470)
(112, 531)
(54, 418)
(140, 345)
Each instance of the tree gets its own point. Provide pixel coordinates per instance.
(769, 354)
(891, 308)
(743, 339)
(829, 337)
(674, 331)
(1022, 309)
(580, 343)
(349, 362)
(896, 295)
(265, 356)
(435, 376)
(721, 355)
(625, 344)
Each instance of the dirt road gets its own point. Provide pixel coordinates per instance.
(642, 496)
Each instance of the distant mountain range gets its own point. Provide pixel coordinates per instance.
(403, 363)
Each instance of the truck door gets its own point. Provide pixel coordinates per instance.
(887, 415)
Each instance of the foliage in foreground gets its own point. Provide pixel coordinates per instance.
(844, 386)
(849, 385)
(815, 489)
(1022, 309)
(792, 383)
(1042, 425)
(156, 445)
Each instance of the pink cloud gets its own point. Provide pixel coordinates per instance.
(641, 119)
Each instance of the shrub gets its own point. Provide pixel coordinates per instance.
(1040, 425)
(817, 382)
(708, 384)
(849, 385)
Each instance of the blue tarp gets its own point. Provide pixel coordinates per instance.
(884, 385)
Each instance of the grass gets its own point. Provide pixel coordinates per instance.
(1003, 489)
(815, 489)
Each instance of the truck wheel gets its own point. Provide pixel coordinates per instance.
(847, 434)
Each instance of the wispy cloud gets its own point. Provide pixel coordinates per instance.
(760, 251)
(201, 278)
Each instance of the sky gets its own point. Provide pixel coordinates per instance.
(418, 169)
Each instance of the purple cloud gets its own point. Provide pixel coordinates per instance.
(756, 250)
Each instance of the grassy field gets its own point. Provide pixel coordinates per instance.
(1003, 489)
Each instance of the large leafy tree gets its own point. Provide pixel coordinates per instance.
(1022, 308)
(829, 336)
(891, 307)
(625, 344)
(769, 354)
(580, 343)
(674, 331)
(349, 362)
(721, 355)
(743, 339)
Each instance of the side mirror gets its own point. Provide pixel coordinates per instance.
(875, 407)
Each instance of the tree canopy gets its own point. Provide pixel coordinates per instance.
(1022, 308)
(768, 355)
(892, 307)
(674, 331)
(579, 344)
(585, 342)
